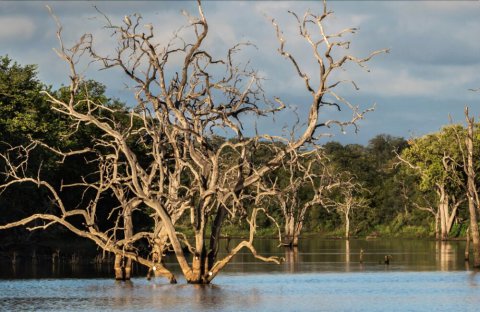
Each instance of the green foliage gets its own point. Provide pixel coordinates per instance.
(392, 189)
(459, 230)
(431, 153)
(22, 107)
(27, 116)
(373, 166)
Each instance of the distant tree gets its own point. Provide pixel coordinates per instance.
(25, 115)
(391, 192)
(436, 160)
(383, 148)
(297, 186)
(345, 197)
(467, 144)
(22, 107)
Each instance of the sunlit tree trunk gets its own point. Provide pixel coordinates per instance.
(128, 223)
(199, 260)
(443, 211)
(472, 192)
(296, 234)
(120, 266)
(290, 237)
(123, 265)
(347, 225)
(437, 225)
(293, 228)
(447, 217)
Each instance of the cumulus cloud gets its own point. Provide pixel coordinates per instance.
(16, 28)
(434, 57)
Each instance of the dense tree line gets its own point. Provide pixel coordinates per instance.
(160, 157)
(399, 201)
(28, 120)
(152, 177)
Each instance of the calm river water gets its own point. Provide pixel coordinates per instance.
(322, 275)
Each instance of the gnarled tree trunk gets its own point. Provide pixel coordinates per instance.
(290, 236)
(122, 267)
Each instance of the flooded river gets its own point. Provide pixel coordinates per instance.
(322, 275)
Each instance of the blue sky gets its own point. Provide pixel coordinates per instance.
(434, 58)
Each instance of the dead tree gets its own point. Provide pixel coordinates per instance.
(82, 220)
(183, 176)
(308, 171)
(467, 150)
(347, 196)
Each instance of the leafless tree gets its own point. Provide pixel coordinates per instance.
(308, 172)
(465, 144)
(181, 175)
(347, 196)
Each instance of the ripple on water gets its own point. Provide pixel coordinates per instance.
(373, 291)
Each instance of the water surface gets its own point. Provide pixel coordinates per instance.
(322, 275)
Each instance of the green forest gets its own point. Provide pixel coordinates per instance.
(175, 173)
(394, 200)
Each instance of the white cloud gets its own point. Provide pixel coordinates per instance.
(431, 82)
(387, 82)
(433, 61)
(16, 28)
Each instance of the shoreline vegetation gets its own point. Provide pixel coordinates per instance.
(154, 177)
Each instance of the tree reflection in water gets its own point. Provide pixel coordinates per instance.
(291, 259)
(446, 256)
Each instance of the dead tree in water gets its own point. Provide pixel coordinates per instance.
(306, 173)
(345, 198)
(467, 150)
(181, 173)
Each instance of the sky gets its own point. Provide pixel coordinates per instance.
(434, 54)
